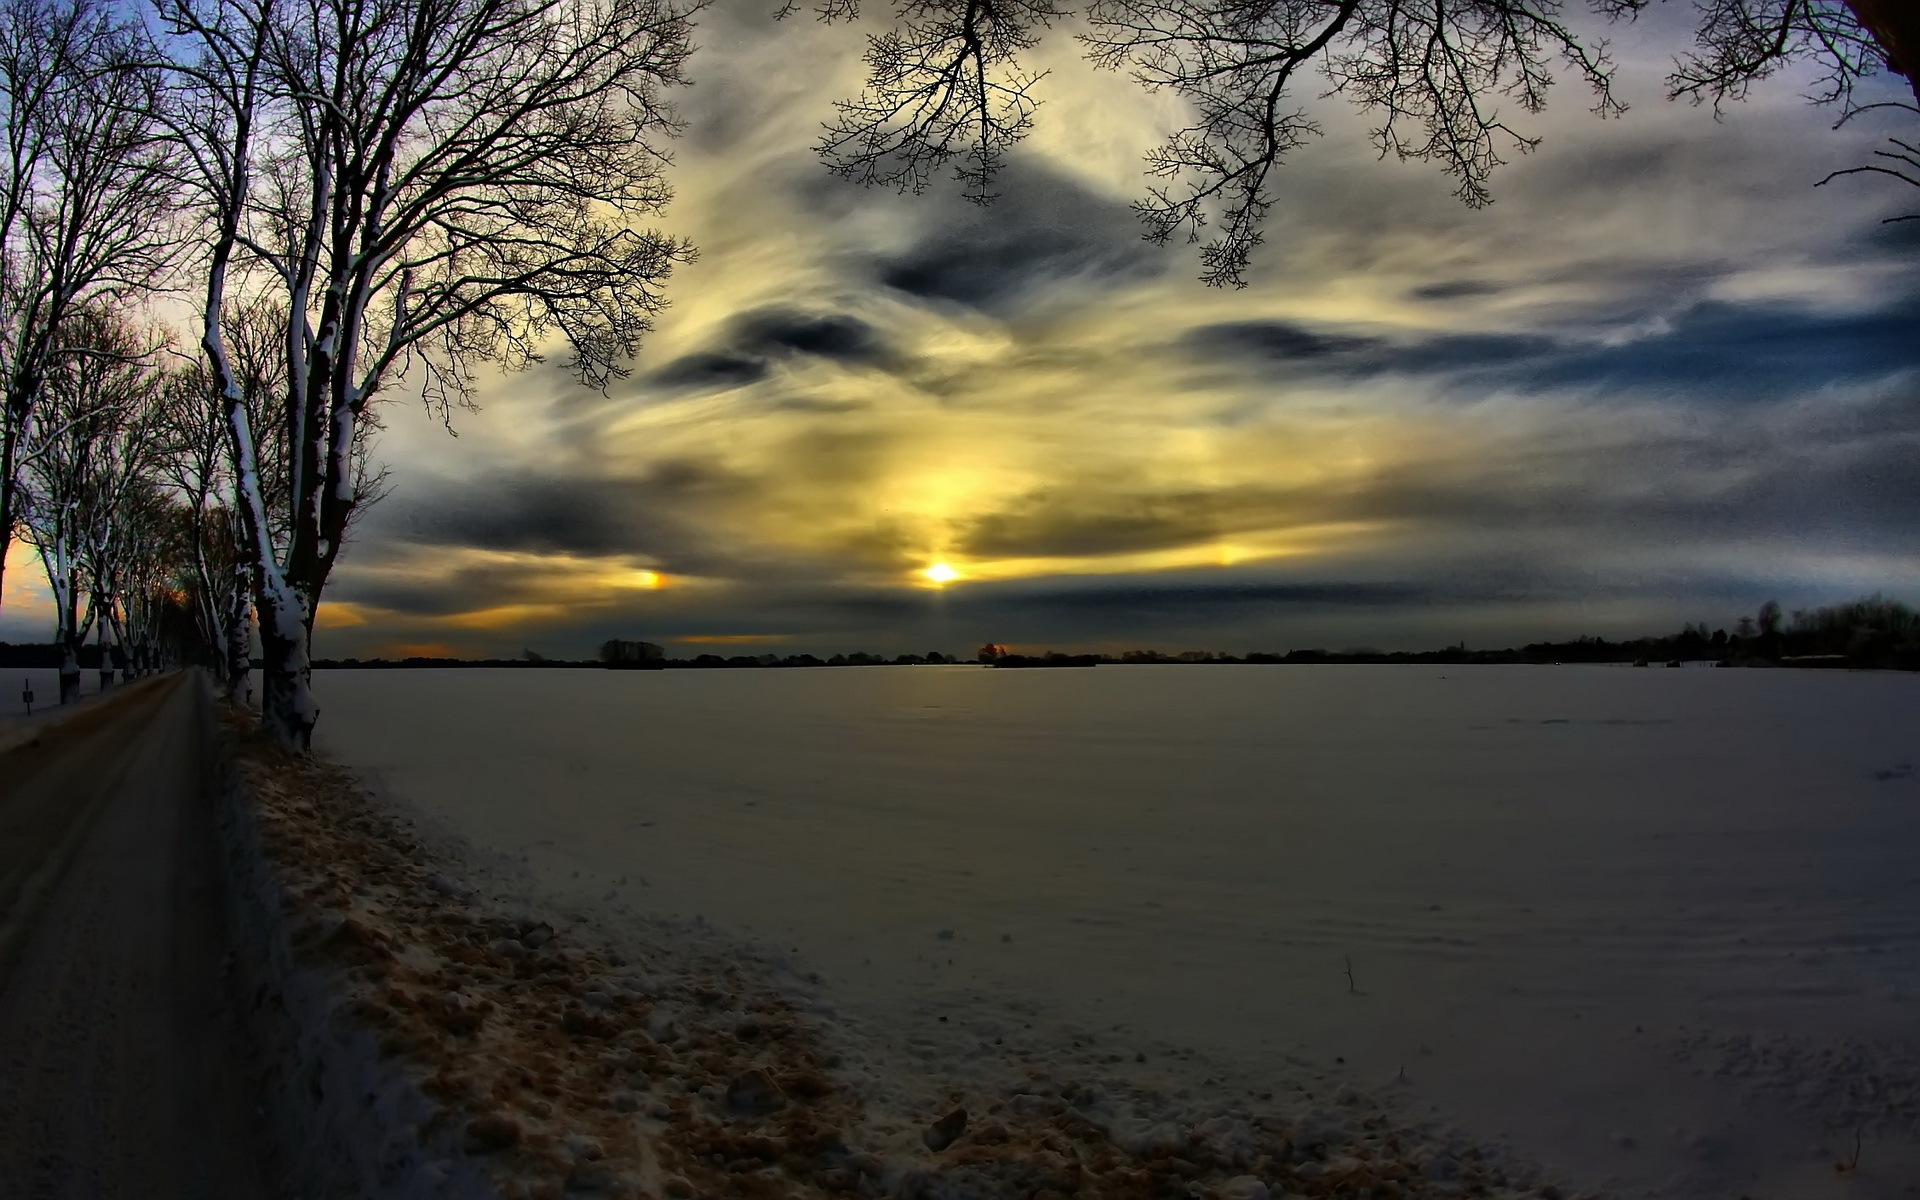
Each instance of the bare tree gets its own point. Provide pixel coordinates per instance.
(216, 567)
(1436, 76)
(209, 561)
(146, 559)
(85, 197)
(426, 186)
(1432, 73)
(87, 467)
(1741, 42)
(944, 86)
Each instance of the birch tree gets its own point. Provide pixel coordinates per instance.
(86, 190)
(1441, 79)
(427, 187)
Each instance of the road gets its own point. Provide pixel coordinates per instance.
(123, 1068)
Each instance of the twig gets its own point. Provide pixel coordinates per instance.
(1352, 989)
(1852, 1164)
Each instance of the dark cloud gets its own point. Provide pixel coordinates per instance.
(527, 513)
(761, 336)
(1710, 349)
(784, 330)
(1043, 229)
(1096, 517)
(709, 371)
(1457, 289)
(1749, 349)
(1289, 344)
(1281, 341)
(1148, 597)
(656, 513)
(479, 586)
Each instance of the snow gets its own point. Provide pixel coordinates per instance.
(1657, 931)
(45, 682)
(349, 1120)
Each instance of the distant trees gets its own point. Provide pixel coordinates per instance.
(946, 86)
(93, 510)
(1870, 632)
(616, 653)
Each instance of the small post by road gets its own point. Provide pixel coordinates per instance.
(26, 693)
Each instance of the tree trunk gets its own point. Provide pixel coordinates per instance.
(287, 706)
(69, 671)
(1895, 24)
(119, 664)
(239, 648)
(71, 636)
(9, 451)
(106, 658)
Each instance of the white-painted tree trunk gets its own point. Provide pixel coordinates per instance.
(101, 644)
(69, 633)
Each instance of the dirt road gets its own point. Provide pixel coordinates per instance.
(122, 1065)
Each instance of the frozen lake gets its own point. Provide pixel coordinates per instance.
(1661, 929)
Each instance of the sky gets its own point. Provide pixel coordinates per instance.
(1662, 379)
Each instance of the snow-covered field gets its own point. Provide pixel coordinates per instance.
(44, 682)
(1659, 930)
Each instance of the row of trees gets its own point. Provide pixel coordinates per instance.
(115, 492)
(354, 194)
(1870, 632)
(356, 198)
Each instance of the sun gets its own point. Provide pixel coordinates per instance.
(941, 573)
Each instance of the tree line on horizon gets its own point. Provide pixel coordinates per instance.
(362, 198)
(1872, 632)
(1868, 633)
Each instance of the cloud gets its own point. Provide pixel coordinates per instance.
(1090, 517)
(1456, 289)
(1045, 231)
(1710, 349)
(1278, 341)
(833, 335)
(1750, 348)
(709, 371)
(1206, 596)
(1661, 376)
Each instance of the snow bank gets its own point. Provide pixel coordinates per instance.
(349, 1121)
(441, 1028)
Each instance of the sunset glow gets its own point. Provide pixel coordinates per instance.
(1626, 396)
